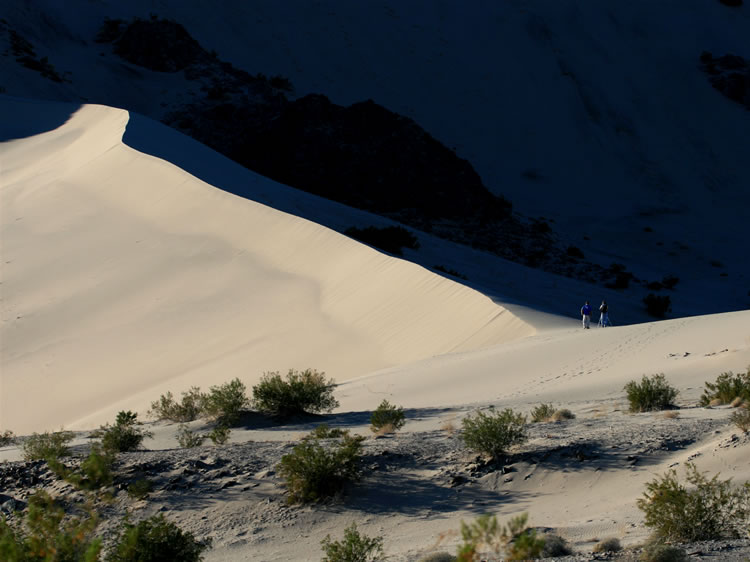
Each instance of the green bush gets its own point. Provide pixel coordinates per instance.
(541, 413)
(354, 547)
(323, 431)
(493, 433)
(47, 445)
(7, 437)
(140, 489)
(657, 305)
(188, 409)
(156, 540)
(484, 535)
(392, 239)
(226, 402)
(125, 435)
(219, 435)
(710, 509)
(387, 415)
(94, 473)
(47, 534)
(652, 393)
(315, 470)
(188, 439)
(741, 418)
(301, 392)
(727, 387)
(96, 470)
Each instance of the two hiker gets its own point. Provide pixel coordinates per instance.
(586, 311)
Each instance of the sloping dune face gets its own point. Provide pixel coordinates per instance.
(123, 277)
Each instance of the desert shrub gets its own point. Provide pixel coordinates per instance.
(47, 534)
(657, 305)
(727, 387)
(225, 402)
(562, 414)
(47, 445)
(96, 470)
(323, 431)
(438, 557)
(709, 510)
(156, 539)
(188, 439)
(7, 437)
(655, 551)
(493, 433)
(387, 414)
(188, 409)
(670, 281)
(741, 418)
(354, 547)
(555, 546)
(574, 252)
(652, 393)
(219, 435)
(302, 392)
(484, 534)
(125, 435)
(542, 413)
(140, 489)
(450, 271)
(392, 239)
(608, 545)
(315, 470)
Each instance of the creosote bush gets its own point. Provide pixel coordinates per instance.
(47, 534)
(655, 551)
(657, 305)
(542, 413)
(323, 431)
(652, 393)
(387, 415)
(225, 402)
(727, 388)
(188, 409)
(741, 418)
(608, 545)
(302, 392)
(555, 546)
(7, 437)
(47, 445)
(710, 509)
(219, 435)
(188, 439)
(140, 489)
(354, 547)
(493, 433)
(316, 469)
(484, 535)
(155, 540)
(125, 435)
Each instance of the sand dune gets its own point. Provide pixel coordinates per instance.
(124, 276)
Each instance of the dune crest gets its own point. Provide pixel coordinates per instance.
(124, 277)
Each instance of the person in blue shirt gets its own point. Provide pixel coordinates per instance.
(586, 313)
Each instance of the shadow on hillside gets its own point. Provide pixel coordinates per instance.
(409, 493)
(158, 140)
(308, 422)
(21, 118)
